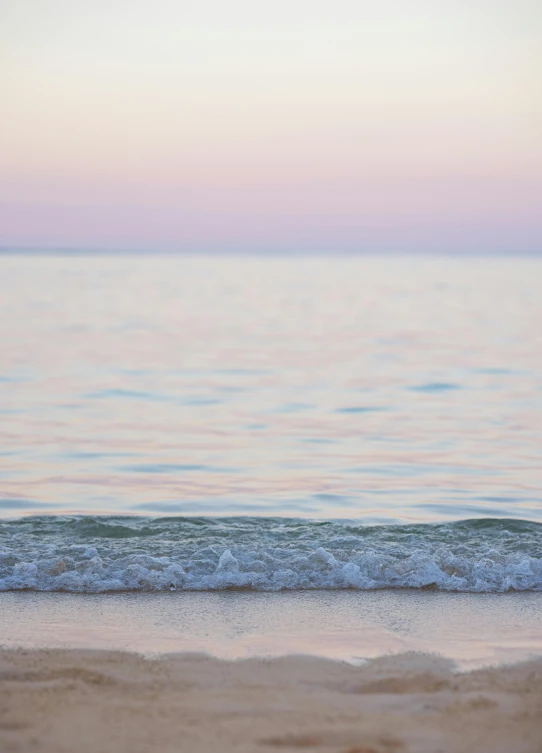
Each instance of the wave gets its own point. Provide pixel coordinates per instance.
(105, 554)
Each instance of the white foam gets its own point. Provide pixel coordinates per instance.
(492, 572)
(103, 554)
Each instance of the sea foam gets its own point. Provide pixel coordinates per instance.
(101, 554)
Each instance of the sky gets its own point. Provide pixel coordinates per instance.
(288, 126)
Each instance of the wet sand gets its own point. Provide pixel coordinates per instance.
(472, 629)
(62, 701)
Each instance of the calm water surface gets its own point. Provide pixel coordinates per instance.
(384, 390)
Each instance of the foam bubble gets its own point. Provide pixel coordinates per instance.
(267, 555)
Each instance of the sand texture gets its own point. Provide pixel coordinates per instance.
(104, 702)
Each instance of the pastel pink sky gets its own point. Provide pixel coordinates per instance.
(295, 125)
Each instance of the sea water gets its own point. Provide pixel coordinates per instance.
(183, 423)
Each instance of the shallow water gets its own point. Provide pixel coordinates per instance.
(398, 391)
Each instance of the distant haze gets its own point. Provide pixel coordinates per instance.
(292, 125)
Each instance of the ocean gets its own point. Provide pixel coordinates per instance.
(173, 423)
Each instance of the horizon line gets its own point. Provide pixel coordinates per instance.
(80, 250)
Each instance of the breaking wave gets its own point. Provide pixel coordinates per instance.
(104, 554)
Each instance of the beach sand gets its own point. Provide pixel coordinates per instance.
(91, 701)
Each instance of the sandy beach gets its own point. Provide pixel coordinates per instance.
(60, 701)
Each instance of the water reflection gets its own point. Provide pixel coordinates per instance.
(391, 390)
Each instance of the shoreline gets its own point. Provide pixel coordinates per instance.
(52, 701)
(474, 630)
